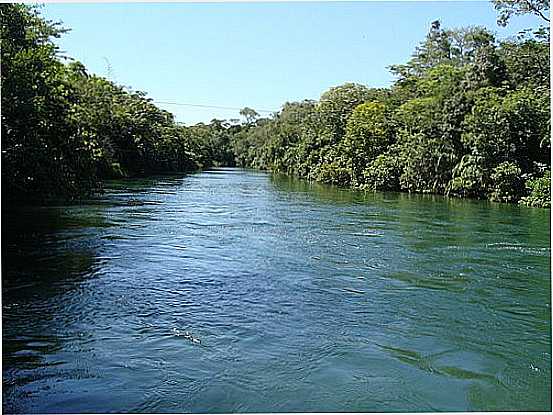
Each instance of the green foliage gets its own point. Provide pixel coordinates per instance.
(508, 126)
(454, 48)
(368, 134)
(509, 8)
(527, 59)
(249, 114)
(63, 130)
(506, 183)
(467, 116)
(540, 191)
(336, 105)
(427, 163)
(334, 172)
(43, 156)
(469, 179)
(383, 173)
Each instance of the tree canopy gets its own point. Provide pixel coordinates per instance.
(468, 115)
(64, 130)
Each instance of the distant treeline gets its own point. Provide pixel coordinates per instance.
(467, 116)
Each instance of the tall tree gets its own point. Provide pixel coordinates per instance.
(249, 114)
(509, 8)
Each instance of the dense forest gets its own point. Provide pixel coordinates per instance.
(64, 130)
(468, 116)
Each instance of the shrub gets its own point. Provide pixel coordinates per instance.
(468, 178)
(382, 173)
(334, 173)
(506, 183)
(540, 192)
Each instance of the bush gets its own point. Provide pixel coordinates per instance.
(468, 178)
(334, 173)
(382, 173)
(540, 192)
(506, 183)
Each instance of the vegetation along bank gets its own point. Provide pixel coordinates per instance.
(468, 116)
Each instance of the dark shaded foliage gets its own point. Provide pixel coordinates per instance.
(64, 130)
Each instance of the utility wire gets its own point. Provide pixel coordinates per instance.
(209, 106)
(231, 108)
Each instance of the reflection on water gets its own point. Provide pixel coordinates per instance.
(237, 291)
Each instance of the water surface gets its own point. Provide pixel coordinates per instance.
(295, 297)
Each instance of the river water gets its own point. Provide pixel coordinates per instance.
(237, 291)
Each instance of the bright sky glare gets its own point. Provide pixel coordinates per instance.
(254, 54)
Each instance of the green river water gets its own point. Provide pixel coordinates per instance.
(296, 297)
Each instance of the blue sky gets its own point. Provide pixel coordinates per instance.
(254, 54)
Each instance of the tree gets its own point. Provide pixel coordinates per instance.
(527, 59)
(63, 129)
(509, 8)
(249, 114)
(336, 104)
(507, 184)
(368, 134)
(540, 191)
(42, 154)
(467, 116)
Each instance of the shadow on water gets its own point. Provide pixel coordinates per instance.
(44, 259)
(50, 249)
(41, 248)
(50, 258)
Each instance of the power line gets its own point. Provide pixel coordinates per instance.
(209, 106)
(234, 108)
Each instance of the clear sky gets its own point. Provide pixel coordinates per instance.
(254, 54)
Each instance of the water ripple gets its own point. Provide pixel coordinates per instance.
(237, 291)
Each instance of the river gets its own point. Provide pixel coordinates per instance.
(238, 291)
